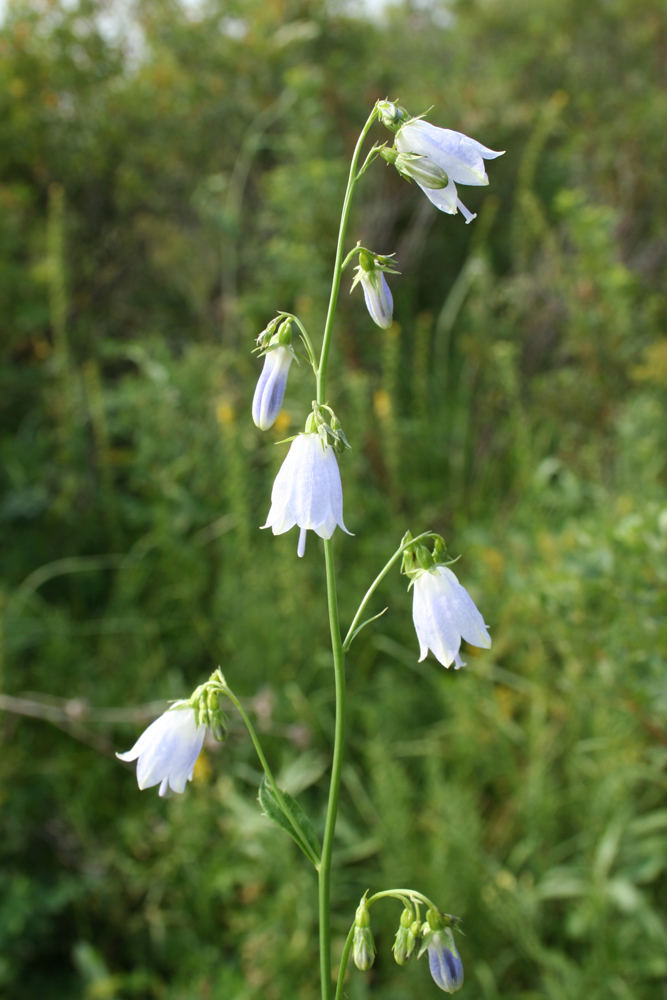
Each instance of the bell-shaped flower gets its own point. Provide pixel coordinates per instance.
(444, 961)
(167, 751)
(307, 491)
(271, 386)
(461, 158)
(444, 613)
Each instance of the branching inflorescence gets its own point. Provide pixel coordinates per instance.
(308, 493)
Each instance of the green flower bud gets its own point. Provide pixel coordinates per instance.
(363, 948)
(392, 115)
(403, 945)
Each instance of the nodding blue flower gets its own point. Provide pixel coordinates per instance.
(444, 961)
(271, 386)
(444, 613)
(167, 751)
(307, 491)
(461, 158)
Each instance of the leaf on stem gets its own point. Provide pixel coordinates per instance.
(357, 630)
(278, 813)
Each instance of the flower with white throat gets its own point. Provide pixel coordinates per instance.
(167, 751)
(461, 158)
(444, 613)
(307, 490)
(270, 391)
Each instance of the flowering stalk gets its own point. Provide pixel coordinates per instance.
(332, 601)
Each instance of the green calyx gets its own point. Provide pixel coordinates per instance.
(205, 700)
(417, 559)
(391, 114)
(324, 422)
(278, 333)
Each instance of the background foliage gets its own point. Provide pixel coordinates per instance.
(168, 178)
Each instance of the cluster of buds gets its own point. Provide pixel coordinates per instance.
(407, 936)
(434, 936)
(436, 158)
(274, 344)
(443, 611)
(166, 752)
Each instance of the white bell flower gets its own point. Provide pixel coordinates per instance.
(270, 390)
(460, 157)
(444, 613)
(307, 491)
(166, 752)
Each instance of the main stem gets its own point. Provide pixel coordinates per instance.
(336, 768)
(332, 599)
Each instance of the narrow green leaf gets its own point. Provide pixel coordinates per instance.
(275, 812)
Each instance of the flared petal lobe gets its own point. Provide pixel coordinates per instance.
(460, 157)
(271, 386)
(167, 751)
(307, 490)
(444, 613)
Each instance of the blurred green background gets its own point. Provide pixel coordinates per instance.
(171, 176)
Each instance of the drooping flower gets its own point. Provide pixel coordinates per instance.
(444, 961)
(271, 386)
(167, 751)
(461, 158)
(307, 491)
(379, 301)
(444, 613)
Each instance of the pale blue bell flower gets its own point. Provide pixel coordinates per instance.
(460, 157)
(379, 300)
(445, 962)
(307, 491)
(271, 386)
(444, 613)
(167, 751)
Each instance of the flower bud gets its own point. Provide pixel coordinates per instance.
(270, 391)
(444, 961)
(404, 944)
(377, 294)
(392, 115)
(363, 947)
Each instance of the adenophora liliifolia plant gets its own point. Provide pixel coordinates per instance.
(308, 493)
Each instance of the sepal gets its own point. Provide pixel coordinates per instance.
(324, 422)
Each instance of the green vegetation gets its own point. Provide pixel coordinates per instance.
(158, 201)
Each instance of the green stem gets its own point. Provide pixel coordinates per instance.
(267, 770)
(343, 963)
(378, 579)
(336, 769)
(335, 284)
